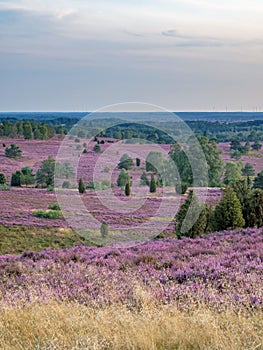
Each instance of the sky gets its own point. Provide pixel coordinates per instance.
(81, 55)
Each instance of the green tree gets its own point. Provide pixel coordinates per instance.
(233, 172)
(125, 162)
(2, 179)
(154, 161)
(152, 184)
(254, 209)
(181, 162)
(16, 179)
(43, 131)
(138, 162)
(104, 230)
(128, 189)
(37, 134)
(28, 177)
(13, 151)
(123, 178)
(228, 212)
(248, 170)
(82, 187)
(19, 126)
(258, 181)
(27, 131)
(215, 164)
(45, 174)
(195, 226)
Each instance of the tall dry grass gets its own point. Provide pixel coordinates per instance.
(72, 326)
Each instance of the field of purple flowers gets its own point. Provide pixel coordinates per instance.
(223, 270)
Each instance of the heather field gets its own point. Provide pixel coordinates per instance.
(60, 291)
(166, 294)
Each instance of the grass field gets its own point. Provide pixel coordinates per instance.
(71, 326)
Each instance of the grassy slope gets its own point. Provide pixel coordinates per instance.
(71, 326)
(17, 239)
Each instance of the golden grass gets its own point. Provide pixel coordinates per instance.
(72, 326)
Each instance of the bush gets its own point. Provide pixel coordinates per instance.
(97, 149)
(106, 169)
(128, 189)
(54, 206)
(2, 179)
(66, 184)
(82, 187)
(181, 188)
(4, 187)
(16, 179)
(77, 140)
(47, 214)
(13, 151)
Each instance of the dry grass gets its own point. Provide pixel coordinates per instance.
(72, 326)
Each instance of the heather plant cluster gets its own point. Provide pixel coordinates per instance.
(223, 270)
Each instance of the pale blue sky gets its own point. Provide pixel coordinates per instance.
(82, 55)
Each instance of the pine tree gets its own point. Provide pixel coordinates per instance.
(13, 151)
(138, 162)
(194, 225)
(228, 212)
(152, 184)
(128, 189)
(82, 187)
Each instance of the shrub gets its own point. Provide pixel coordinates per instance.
(138, 162)
(128, 189)
(54, 206)
(77, 140)
(13, 151)
(66, 184)
(85, 151)
(82, 187)
(47, 214)
(16, 179)
(106, 169)
(4, 187)
(97, 149)
(2, 179)
(181, 188)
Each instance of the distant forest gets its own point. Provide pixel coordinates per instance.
(153, 131)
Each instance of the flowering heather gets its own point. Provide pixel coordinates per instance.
(222, 270)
